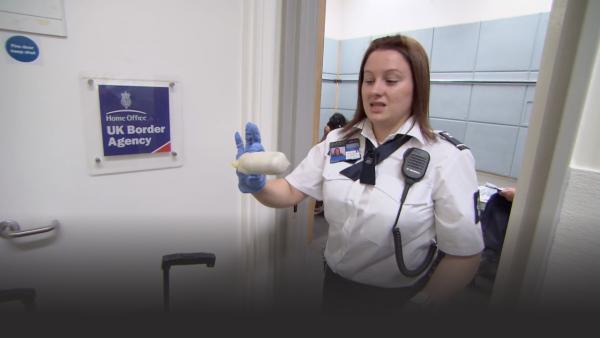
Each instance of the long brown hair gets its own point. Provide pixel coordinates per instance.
(417, 59)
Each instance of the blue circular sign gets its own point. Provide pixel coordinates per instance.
(22, 48)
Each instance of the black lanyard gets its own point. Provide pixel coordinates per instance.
(365, 170)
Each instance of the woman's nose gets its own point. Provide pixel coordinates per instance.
(377, 87)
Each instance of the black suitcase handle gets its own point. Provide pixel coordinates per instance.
(192, 258)
(188, 259)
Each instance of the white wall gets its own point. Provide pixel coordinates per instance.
(347, 19)
(334, 14)
(586, 154)
(573, 274)
(115, 228)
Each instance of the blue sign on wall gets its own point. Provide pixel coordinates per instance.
(135, 120)
(22, 48)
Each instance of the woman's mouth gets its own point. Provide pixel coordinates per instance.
(377, 107)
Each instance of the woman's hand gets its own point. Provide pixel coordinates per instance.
(508, 193)
(249, 183)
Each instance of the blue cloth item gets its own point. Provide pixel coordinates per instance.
(249, 183)
(494, 221)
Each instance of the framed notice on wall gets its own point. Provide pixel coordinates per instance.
(131, 125)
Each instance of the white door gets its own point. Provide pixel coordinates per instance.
(113, 230)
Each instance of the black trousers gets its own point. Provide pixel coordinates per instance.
(343, 296)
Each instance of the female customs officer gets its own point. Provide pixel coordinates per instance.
(368, 268)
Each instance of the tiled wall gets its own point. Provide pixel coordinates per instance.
(483, 82)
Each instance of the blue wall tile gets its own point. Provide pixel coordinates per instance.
(519, 150)
(501, 76)
(449, 101)
(456, 128)
(351, 54)
(492, 146)
(330, 51)
(454, 48)
(348, 95)
(328, 94)
(529, 95)
(506, 44)
(533, 76)
(348, 77)
(540, 37)
(497, 104)
(451, 76)
(424, 37)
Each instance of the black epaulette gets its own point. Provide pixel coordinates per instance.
(446, 136)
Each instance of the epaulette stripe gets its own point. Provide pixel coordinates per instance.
(446, 136)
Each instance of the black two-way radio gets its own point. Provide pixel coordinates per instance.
(414, 167)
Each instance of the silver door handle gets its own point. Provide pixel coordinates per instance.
(12, 229)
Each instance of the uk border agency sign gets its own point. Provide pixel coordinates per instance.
(135, 120)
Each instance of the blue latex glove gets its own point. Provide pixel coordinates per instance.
(249, 183)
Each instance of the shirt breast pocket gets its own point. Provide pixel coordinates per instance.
(393, 187)
(336, 189)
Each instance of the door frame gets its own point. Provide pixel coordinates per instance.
(260, 69)
(569, 52)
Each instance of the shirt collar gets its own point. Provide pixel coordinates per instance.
(367, 130)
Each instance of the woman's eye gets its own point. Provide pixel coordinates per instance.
(369, 81)
(391, 81)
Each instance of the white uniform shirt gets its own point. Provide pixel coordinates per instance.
(441, 207)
